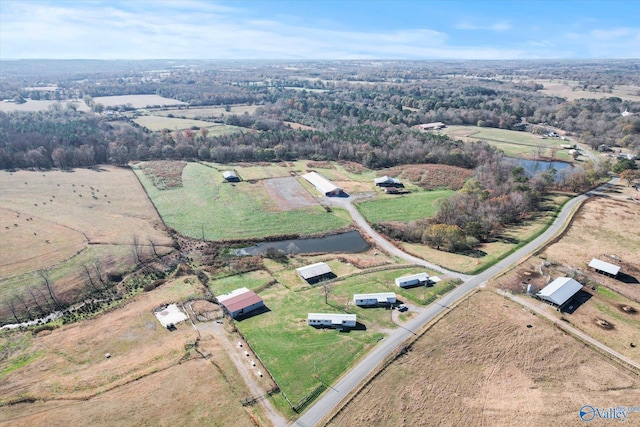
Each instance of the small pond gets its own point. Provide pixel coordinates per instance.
(534, 167)
(349, 242)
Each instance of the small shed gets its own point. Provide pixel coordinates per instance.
(412, 280)
(432, 126)
(387, 181)
(559, 291)
(230, 176)
(315, 273)
(369, 300)
(240, 302)
(603, 267)
(331, 320)
(323, 185)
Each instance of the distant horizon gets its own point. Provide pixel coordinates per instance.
(437, 30)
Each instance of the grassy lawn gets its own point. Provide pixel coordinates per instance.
(513, 143)
(157, 123)
(207, 112)
(403, 208)
(250, 280)
(206, 205)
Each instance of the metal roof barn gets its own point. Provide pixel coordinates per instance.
(559, 291)
(323, 185)
(387, 181)
(315, 272)
(240, 302)
(230, 176)
(604, 267)
(375, 298)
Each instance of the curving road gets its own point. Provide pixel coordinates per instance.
(390, 344)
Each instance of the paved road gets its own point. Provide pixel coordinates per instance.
(390, 344)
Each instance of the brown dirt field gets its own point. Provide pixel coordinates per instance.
(482, 365)
(603, 226)
(288, 194)
(71, 210)
(431, 177)
(151, 378)
(164, 174)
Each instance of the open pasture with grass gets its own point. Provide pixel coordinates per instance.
(403, 208)
(206, 113)
(513, 143)
(430, 176)
(151, 377)
(158, 123)
(137, 101)
(489, 362)
(59, 220)
(40, 105)
(571, 90)
(206, 206)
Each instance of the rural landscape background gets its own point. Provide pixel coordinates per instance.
(134, 190)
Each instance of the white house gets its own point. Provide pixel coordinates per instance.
(412, 280)
(333, 320)
(381, 298)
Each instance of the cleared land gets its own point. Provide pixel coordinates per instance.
(61, 220)
(483, 365)
(403, 208)
(152, 377)
(513, 143)
(39, 105)
(570, 90)
(206, 113)
(206, 205)
(137, 101)
(158, 123)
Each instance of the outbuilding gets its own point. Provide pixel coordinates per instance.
(559, 291)
(603, 267)
(371, 300)
(240, 302)
(323, 185)
(412, 280)
(315, 273)
(387, 181)
(432, 126)
(230, 176)
(331, 320)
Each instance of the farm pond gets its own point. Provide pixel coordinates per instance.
(348, 242)
(534, 167)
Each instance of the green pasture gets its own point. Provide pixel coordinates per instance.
(513, 143)
(206, 112)
(206, 206)
(157, 123)
(251, 280)
(403, 208)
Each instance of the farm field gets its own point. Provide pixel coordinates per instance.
(569, 91)
(152, 377)
(403, 208)
(513, 143)
(137, 101)
(615, 235)
(59, 221)
(206, 113)
(158, 123)
(491, 363)
(40, 105)
(205, 205)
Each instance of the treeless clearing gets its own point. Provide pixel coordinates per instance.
(41, 105)
(570, 91)
(483, 365)
(48, 217)
(298, 126)
(153, 376)
(136, 101)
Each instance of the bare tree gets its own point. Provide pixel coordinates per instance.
(26, 307)
(45, 276)
(35, 301)
(12, 308)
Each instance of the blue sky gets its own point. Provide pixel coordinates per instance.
(328, 29)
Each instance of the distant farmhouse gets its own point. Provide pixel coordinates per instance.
(230, 176)
(332, 320)
(559, 291)
(432, 126)
(413, 280)
(603, 267)
(323, 185)
(376, 299)
(240, 302)
(387, 181)
(315, 273)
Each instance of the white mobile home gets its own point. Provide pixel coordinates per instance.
(413, 280)
(368, 300)
(331, 320)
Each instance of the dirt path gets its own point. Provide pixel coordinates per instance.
(244, 367)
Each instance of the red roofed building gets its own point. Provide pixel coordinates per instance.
(240, 302)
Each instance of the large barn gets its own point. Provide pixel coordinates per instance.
(387, 181)
(323, 185)
(371, 300)
(334, 320)
(315, 273)
(603, 267)
(240, 302)
(559, 291)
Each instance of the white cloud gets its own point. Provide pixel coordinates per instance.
(499, 26)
